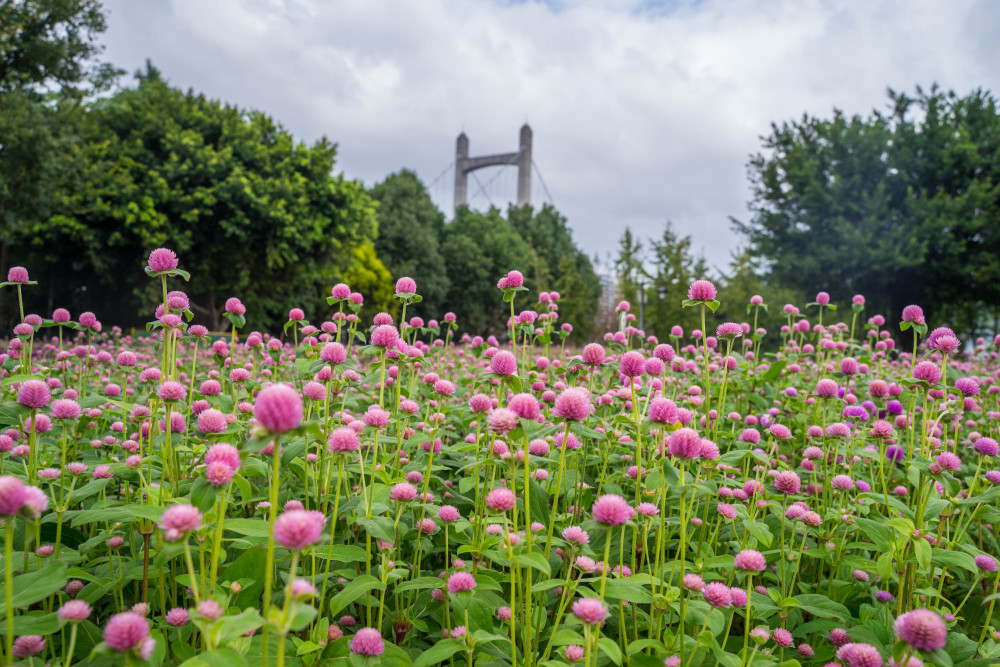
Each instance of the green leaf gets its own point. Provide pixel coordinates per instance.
(534, 560)
(34, 586)
(352, 591)
(248, 527)
(774, 372)
(610, 648)
(759, 531)
(953, 559)
(922, 551)
(623, 589)
(222, 657)
(822, 606)
(44, 624)
(438, 653)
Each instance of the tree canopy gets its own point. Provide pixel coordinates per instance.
(900, 206)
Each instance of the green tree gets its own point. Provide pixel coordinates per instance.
(409, 237)
(250, 212)
(48, 65)
(900, 206)
(556, 263)
(480, 248)
(674, 268)
(629, 267)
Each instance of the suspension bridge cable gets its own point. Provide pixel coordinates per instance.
(542, 181)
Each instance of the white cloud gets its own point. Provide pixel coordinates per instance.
(642, 112)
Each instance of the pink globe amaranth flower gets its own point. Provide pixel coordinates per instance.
(448, 513)
(739, 597)
(502, 420)
(859, 655)
(987, 446)
(376, 417)
(590, 610)
(334, 353)
(783, 637)
(126, 631)
(340, 291)
(178, 520)
(881, 429)
(17, 274)
(729, 330)
(13, 495)
(162, 259)
(780, 431)
(34, 394)
(177, 617)
(823, 298)
(632, 364)
(717, 595)
(572, 404)
(74, 611)
(504, 363)
(593, 354)
(922, 629)
(576, 535)
(296, 315)
(849, 366)
(223, 452)
(403, 492)
(406, 286)
(574, 653)
(612, 510)
(460, 582)
(750, 560)
(298, 529)
(500, 499)
(235, 306)
(343, 439)
(209, 610)
(969, 386)
(946, 344)
(663, 411)
(702, 290)
(480, 403)
(927, 371)
(60, 315)
(385, 336)
(65, 408)
(278, 408)
(986, 563)
(524, 406)
(787, 482)
(212, 421)
(171, 391)
(26, 646)
(89, 320)
(914, 314)
(685, 443)
(367, 641)
(219, 474)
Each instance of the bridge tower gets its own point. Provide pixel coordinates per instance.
(522, 158)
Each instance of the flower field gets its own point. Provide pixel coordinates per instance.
(398, 492)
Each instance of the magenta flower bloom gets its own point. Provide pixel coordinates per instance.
(403, 492)
(685, 443)
(612, 510)
(593, 354)
(787, 482)
(914, 314)
(17, 274)
(127, 631)
(343, 439)
(986, 563)
(702, 290)
(74, 611)
(171, 391)
(663, 411)
(632, 364)
(572, 404)
(212, 421)
(367, 641)
(177, 617)
(922, 629)
(729, 330)
(235, 306)
(178, 520)
(385, 336)
(927, 371)
(500, 499)
(590, 610)
(26, 646)
(162, 259)
(503, 363)
(65, 408)
(449, 513)
(298, 529)
(750, 560)
(524, 406)
(334, 353)
(717, 595)
(859, 655)
(406, 286)
(460, 582)
(34, 394)
(278, 408)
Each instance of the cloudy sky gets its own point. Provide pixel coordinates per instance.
(642, 111)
